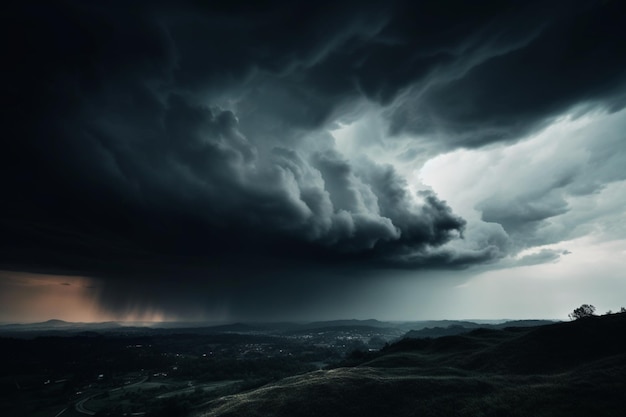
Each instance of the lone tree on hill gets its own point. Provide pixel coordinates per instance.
(585, 310)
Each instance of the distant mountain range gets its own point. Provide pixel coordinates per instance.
(465, 326)
(54, 327)
(416, 329)
(55, 324)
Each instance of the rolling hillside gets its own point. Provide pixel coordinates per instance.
(563, 369)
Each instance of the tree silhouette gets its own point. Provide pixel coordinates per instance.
(585, 310)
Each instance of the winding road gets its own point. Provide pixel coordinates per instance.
(80, 405)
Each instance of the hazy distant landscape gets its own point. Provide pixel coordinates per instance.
(289, 208)
(335, 368)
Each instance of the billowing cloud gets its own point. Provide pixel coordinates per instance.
(561, 184)
(187, 154)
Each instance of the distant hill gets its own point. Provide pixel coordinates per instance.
(59, 327)
(54, 327)
(466, 326)
(345, 323)
(391, 330)
(562, 369)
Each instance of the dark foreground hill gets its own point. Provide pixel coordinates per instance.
(564, 369)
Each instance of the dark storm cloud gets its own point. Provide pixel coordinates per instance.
(570, 57)
(186, 145)
(474, 73)
(524, 212)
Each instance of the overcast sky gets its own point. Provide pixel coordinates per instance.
(277, 160)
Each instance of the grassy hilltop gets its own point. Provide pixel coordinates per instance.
(565, 369)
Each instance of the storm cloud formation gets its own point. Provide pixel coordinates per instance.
(179, 148)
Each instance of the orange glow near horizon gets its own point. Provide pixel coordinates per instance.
(30, 297)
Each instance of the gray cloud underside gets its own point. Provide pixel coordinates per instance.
(558, 195)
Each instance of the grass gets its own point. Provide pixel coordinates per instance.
(565, 369)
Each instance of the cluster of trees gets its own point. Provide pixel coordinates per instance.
(587, 310)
